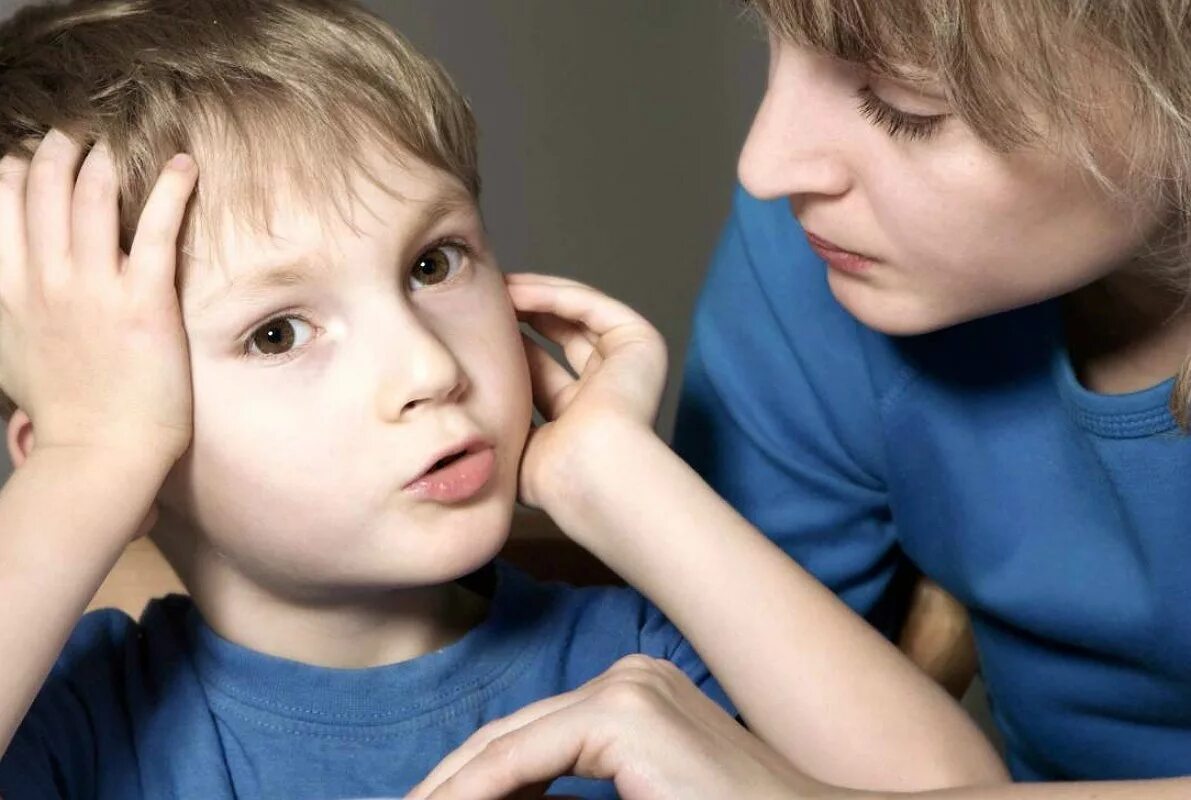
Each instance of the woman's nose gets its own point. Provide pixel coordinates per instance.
(794, 147)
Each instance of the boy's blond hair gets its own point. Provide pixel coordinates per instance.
(1112, 81)
(251, 88)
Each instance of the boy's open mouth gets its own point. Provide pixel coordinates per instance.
(457, 475)
(442, 462)
(450, 457)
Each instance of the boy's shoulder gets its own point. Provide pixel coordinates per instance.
(579, 632)
(108, 647)
(153, 700)
(571, 613)
(108, 650)
(107, 642)
(82, 716)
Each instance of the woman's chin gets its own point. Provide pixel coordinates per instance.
(894, 313)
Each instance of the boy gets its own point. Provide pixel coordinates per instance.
(335, 436)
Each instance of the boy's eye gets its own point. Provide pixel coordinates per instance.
(279, 336)
(436, 265)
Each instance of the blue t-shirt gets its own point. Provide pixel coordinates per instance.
(166, 709)
(1061, 518)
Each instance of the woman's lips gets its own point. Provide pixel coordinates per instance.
(837, 258)
(458, 481)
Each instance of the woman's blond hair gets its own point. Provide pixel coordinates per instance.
(1112, 79)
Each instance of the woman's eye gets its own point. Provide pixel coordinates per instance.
(436, 265)
(898, 123)
(279, 336)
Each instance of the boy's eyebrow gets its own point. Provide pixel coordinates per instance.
(290, 273)
(306, 267)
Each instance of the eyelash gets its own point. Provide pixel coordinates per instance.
(897, 123)
(246, 344)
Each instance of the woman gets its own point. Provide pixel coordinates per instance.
(946, 329)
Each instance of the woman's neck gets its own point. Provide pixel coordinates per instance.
(1126, 333)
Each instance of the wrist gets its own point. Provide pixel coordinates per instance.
(126, 467)
(580, 485)
(98, 500)
(99, 438)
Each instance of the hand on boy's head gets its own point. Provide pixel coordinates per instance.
(620, 361)
(92, 346)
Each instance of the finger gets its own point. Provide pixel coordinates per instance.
(497, 728)
(530, 279)
(14, 179)
(536, 753)
(549, 280)
(550, 383)
(95, 213)
(153, 255)
(578, 304)
(576, 342)
(576, 329)
(48, 203)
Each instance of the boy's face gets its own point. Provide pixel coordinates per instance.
(331, 368)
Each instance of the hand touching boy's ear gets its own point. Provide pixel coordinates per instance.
(620, 361)
(92, 346)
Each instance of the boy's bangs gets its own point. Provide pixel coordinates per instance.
(256, 90)
(277, 152)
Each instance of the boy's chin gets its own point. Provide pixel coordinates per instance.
(459, 565)
(449, 554)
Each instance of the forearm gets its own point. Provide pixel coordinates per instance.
(1176, 789)
(811, 678)
(64, 520)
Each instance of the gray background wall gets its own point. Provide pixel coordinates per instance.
(609, 135)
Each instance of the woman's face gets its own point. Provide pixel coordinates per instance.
(921, 224)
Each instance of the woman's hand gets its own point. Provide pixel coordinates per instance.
(619, 365)
(643, 725)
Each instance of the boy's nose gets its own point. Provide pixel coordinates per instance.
(423, 372)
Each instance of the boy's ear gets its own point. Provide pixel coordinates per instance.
(20, 438)
(20, 445)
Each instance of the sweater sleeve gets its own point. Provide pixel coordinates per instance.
(780, 412)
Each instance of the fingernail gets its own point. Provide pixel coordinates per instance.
(181, 162)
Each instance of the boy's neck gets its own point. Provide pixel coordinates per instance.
(1126, 333)
(365, 629)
